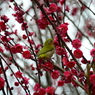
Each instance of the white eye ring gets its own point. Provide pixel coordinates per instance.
(50, 41)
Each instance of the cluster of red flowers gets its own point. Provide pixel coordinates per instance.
(43, 22)
(43, 91)
(3, 26)
(62, 29)
(19, 17)
(25, 80)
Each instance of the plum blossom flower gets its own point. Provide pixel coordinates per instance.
(62, 29)
(92, 52)
(70, 64)
(4, 18)
(76, 43)
(61, 83)
(25, 80)
(60, 51)
(48, 65)
(36, 87)
(62, 2)
(42, 23)
(50, 90)
(26, 54)
(55, 74)
(74, 11)
(52, 8)
(2, 26)
(78, 53)
(18, 74)
(92, 79)
(2, 83)
(41, 91)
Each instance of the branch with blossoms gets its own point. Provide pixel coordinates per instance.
(23, 31)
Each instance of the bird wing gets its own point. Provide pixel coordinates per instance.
(44, 50)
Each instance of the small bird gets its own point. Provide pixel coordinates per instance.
(47, 51)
